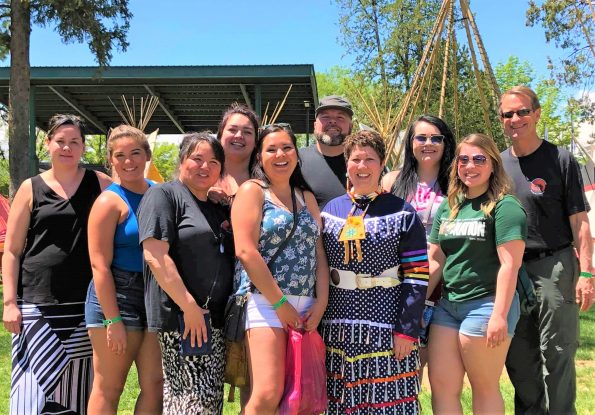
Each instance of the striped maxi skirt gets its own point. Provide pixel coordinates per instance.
(52, 369)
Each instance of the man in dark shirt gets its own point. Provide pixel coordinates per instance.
(548, 183)
(323, 163)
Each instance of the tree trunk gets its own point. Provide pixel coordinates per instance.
(18, 99)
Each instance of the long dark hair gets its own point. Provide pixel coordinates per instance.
(406, 183)
(237, 108)
(256, 172)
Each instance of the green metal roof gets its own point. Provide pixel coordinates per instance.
(191, 98)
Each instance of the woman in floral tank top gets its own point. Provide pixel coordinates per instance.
(292, 291)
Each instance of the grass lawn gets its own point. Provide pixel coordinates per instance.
(585, 370)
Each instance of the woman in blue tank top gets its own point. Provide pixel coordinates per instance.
(115, 310)
(291, 291)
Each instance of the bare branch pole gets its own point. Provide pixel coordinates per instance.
(482, 99)
(485, 59)
(449, 31)
(455, 81)
(421, 69)
(435, 53)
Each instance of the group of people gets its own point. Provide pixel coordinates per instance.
(393, 269)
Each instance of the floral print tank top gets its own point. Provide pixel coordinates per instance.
(294, 268)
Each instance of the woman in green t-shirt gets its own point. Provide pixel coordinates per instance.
(476, 247)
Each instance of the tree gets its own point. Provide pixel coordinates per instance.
(102, 24)
(570, 24)
(334, 82)
(513, 72)
(386, 37)
(165, 157)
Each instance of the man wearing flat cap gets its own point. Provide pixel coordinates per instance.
(323, 163)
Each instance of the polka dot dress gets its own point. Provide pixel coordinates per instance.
(364, 377)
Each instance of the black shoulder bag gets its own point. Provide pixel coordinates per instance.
(235, 310)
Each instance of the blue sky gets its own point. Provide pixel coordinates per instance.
(201, 32)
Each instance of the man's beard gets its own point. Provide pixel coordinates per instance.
(326, 139)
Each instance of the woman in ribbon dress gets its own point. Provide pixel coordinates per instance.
(376, 248)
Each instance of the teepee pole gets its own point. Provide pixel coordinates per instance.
(449, 31)
(478, 79)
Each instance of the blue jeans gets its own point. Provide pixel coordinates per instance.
(471, 317)
(130, 299)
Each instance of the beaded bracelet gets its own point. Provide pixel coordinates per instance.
(585, 274)
(111, 321)
(279, 303)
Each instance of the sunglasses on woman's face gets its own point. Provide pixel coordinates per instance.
(434, 138)
(477, 159)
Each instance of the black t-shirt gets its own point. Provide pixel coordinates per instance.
(325, 175)
(55, 266)
(549, 185)
(197, 233)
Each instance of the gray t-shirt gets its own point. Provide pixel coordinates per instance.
(326, 176)
(200, 244)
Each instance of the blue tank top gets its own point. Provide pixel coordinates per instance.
(295, 268)
(128, 253)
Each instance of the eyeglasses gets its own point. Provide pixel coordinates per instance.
(521, 113)
(434, 138)
(478, 160)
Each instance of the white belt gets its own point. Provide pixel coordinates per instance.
(349, 280)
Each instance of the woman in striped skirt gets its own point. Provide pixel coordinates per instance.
(46, 273)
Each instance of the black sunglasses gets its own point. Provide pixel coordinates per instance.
(478, 160)
(521, 113)
(434, 138)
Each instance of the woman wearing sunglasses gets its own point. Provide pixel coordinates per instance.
(476, 247)
(423, 182)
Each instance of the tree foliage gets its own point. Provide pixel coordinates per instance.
(165, 158)
(102, 24)
(570, 25)
(386, 37)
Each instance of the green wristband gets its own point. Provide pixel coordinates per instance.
(585, 274)
(111, 321)
(279, 303)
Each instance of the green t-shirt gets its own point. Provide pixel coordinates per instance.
(469, 242)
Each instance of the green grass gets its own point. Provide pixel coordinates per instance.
(585, 369)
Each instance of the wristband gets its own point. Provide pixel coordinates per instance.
(111, 321)
(279, 303)
(585, 274)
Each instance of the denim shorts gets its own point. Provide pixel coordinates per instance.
(471, 317)
(130, 296)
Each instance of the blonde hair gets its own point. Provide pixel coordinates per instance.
(523, 91)
(499, 183)
(126, 131)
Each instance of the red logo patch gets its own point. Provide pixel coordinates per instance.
(538, 186)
